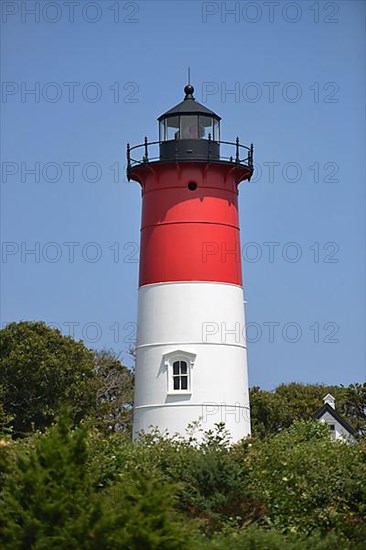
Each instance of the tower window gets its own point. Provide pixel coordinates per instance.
(179, 371)
(180, 375)
(192, 186)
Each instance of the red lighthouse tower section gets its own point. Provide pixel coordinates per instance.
(191, 351)
(190, 226)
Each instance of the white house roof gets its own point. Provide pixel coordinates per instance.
(326, 408)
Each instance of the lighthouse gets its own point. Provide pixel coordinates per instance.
(191, 357)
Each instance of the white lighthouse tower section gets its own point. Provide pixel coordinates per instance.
(191, 362)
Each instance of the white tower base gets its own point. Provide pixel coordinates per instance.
(200, 325)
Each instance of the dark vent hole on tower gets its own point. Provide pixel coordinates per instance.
(192, 186)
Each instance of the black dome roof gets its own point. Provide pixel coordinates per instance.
(189, 106)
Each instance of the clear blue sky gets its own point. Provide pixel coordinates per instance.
(129, 66)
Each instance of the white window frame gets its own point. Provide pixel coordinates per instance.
(169, 359)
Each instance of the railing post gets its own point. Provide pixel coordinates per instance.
(146, 156)
(128, 161)
(209, 147)
(237, 151)
(251, 156)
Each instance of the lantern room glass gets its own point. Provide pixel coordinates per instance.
(189, 127)
(216, 132)
(169, 128)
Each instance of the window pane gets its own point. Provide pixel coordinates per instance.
(206, 127)
(172, 127)
(180, 375)
(161, 131)
(216, 135)
(189, 127)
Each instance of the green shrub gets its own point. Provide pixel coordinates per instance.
(257, 538)
(69, 488)
(50, 500)
(308, 482)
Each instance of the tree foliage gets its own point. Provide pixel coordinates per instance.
(115, 394)
(50, 501)
(73, 488)
(307, 482)
(81, 483)
(39, 370)
(273, 411)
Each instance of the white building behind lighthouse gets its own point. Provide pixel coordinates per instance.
(191, 359)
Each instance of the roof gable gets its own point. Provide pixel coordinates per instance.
(326, 408)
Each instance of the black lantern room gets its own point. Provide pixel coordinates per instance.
(189, 131)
